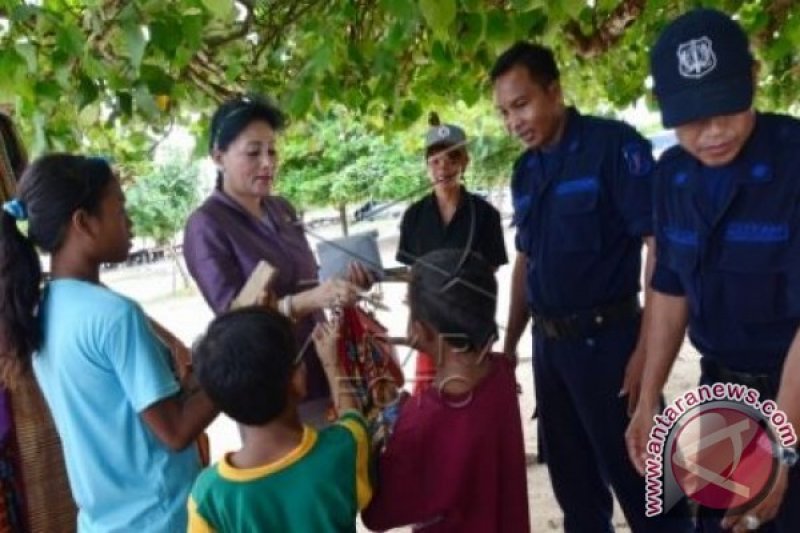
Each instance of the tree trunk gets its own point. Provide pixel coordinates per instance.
(343, 218)
(176, 261)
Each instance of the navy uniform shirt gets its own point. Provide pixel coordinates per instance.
(733, 250)
(581, 211)
(475, 225)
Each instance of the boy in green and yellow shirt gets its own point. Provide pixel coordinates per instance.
(286, 476)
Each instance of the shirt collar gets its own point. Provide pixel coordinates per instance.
(221, 197)
(461, 198)
(752, 166)
(230, 472)
(572, 135)
(756, 155)
(573, 132)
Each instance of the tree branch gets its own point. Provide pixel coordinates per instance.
(99, 40)
(777, 11)
(274, 29)
(243, 29)
(212, 89)
(608, 33)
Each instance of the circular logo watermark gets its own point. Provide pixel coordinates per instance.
(719, 445)
(724, 457)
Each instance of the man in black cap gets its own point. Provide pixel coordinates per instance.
(727, 210)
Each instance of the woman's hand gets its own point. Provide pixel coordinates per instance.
(330, 293)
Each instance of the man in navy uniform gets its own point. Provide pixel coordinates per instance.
(727, 209)
(582, 208)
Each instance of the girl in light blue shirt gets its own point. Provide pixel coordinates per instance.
(127, 431)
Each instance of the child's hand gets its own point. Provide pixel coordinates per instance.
(325, 338)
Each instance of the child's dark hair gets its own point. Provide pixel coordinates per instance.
(537, 59)
(455, 292)
(235, 115)
(245, 362)
(50, 191)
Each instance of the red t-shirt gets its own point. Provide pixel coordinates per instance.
(456, 464)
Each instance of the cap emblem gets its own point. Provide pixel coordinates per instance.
(696, 58)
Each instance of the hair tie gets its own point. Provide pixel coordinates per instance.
(16, 208)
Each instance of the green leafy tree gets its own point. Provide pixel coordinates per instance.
(112, 75)
(337, 159)
(160, 201)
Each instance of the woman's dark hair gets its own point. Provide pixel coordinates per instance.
(245, 362)
(235, 115)
(455, 292)
(51, 190)
(538, 60)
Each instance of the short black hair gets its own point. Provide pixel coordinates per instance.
(245, 362)
(235, 115)
(455, 292)
(538, 59)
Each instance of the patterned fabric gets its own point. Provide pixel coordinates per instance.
(370, 362)
(12, 516)
(48, 499)
(12, 505)
(34, 493)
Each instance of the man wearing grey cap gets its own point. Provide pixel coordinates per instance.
(450, 217)
(727, 211)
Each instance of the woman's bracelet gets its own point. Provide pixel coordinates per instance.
(285, 307)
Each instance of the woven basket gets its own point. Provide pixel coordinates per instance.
(51, 508)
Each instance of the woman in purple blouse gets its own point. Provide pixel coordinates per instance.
(242, 223)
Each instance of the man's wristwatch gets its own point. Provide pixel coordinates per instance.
(788, 456)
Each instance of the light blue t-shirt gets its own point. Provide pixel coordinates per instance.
(99, 366)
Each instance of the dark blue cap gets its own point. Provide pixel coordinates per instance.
(702, 67)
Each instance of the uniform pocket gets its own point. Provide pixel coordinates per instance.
(578, 227)
(755, 279)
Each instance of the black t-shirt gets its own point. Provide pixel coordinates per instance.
(423, 230)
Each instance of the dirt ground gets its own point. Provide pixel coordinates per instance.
(186, 314)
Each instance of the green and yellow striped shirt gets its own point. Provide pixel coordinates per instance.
(319, 486)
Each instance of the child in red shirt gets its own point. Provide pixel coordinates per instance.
(455, 461)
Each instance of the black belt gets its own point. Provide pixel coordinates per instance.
(764, 382)
(584, 323)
